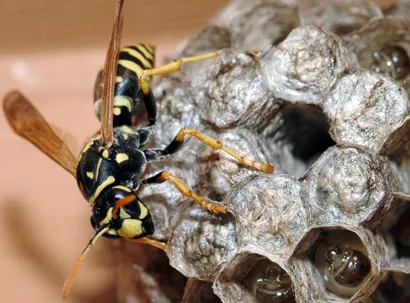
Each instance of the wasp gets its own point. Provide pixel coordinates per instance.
(109, 168)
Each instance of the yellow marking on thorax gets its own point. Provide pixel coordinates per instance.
(126, 129)
(90, 174)
(107, 218)
(144, 210)
(86, 147)
(138, 55)
(121, 158)
(130, 228)
(116, 111)
(145, 51)
(118, 79)
(124, 214)
(105, 154)
(123, 101)
(97, 171)
(122, 187)
(110, 180)
(131, 66)
(125, 136)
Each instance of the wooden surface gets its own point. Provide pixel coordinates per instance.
(51, 51)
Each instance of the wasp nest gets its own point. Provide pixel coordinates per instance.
(326, 101)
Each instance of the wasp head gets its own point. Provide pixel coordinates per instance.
(123, 212)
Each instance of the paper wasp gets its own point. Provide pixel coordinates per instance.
(110, 166)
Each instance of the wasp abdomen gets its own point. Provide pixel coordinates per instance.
(128, 100)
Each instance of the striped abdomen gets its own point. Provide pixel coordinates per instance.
(128, 101)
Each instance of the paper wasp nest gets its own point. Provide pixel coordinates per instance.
(326, 101)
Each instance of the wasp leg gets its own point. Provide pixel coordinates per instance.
(154, 154)
(145, 135)
(185, 191)
(150, 105)
(176, 65)
(176, 144)
(171, 67)
(151, 242)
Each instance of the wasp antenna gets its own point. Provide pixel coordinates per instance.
(109, 74)
(71, 276)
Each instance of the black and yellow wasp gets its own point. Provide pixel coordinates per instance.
(109, 168)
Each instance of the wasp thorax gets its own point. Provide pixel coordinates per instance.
(343, 261)
(270, 283)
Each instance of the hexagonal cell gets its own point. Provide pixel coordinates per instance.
(253, 277)
(235, 85)
(269, 213)
(343, 264)
(348, 186)
(200, 242)
(365, 109)
(305, 65)
(297, 136)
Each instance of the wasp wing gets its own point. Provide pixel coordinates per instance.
(109, 74)
(27, 122)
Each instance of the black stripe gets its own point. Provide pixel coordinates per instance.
(124, 72)
(150, 46)
(129, 85)
(136, 49)
(128, 57)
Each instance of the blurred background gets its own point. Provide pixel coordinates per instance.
(51, 50)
